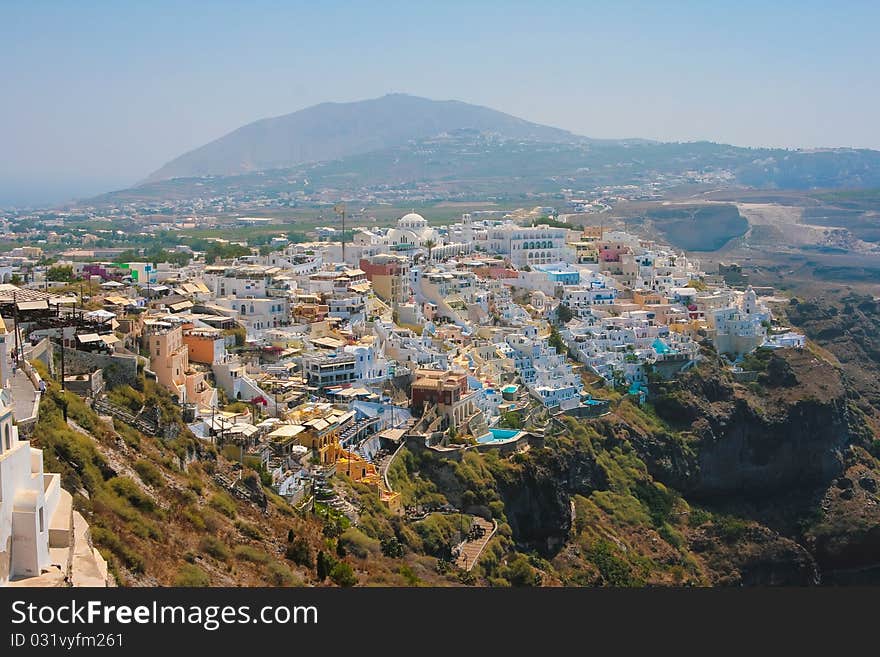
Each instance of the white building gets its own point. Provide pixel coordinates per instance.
(29, 500)
(742, 326)
(256, 314)
(530, 245)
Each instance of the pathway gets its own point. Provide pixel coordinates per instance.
(23, 396)
(470, 551)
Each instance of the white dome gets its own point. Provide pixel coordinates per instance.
(412, 220)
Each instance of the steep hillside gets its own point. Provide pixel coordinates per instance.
(714, 482)
(159, 513)
(770, 482)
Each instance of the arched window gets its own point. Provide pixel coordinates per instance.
(243, 309)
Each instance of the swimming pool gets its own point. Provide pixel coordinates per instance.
(498, 435)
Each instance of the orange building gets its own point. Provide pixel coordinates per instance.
(205, 345)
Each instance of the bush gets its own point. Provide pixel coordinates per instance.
(127, 397)
(108, 539)
(127, 488)
(215, 547)
(249, 530)
(440, 532)
(391, 547)
(343, 575)
(248, 553)
(224, 504)
(192, 576)
(519, 572)
(300, 552)
(149, 473)
(729, 528)
(324, 565)
(194, 518)
(281, 575)
(614, 570)
(358, 543)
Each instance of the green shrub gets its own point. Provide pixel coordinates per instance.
(519, 572)
(358, 543)
(127, 487)
(392, 547)
(195, 518)
(215, 547)
(224, 504)
(615, 571)
(409, 575)
(658, 499)
(127, 397)
(300, 552)
(439, 533)
(213, 521)
(281, 575)
(729, 528)
(323, 565)
(149, 473)
(249, 530)
(698, 517)
(343, 575)
(195, 485)
(248, 553)
(192, 576)
(108, 539)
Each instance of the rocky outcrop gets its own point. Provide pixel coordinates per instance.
(789, 431)
(757, 557)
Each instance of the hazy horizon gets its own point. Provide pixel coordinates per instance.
(98, 95)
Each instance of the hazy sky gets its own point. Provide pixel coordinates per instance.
(95, 95)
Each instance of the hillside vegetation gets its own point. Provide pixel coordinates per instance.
(712, 482)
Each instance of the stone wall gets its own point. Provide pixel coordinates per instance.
(118, 369)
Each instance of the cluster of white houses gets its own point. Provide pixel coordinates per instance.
(447, 328)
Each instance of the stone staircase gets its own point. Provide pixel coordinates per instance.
(470, 550)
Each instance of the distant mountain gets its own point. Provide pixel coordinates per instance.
(332, 131)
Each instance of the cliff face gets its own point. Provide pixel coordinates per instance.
(537, 497)
(765, 481)
(790, 429)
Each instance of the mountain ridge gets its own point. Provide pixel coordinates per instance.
(331, 131)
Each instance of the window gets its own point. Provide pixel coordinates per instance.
(7, 437)
(42, 522)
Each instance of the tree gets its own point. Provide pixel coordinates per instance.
(429, 245)
(555, 340)
(61, 273)
(343, 575)
(325, 564)
(510, 420)
(563, 313)
(224, 251)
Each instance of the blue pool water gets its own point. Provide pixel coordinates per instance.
(496, 435)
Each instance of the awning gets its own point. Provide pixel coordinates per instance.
(33, 305)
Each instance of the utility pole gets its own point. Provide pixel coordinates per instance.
(62, 358)
(339, 208)
(15, 319)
